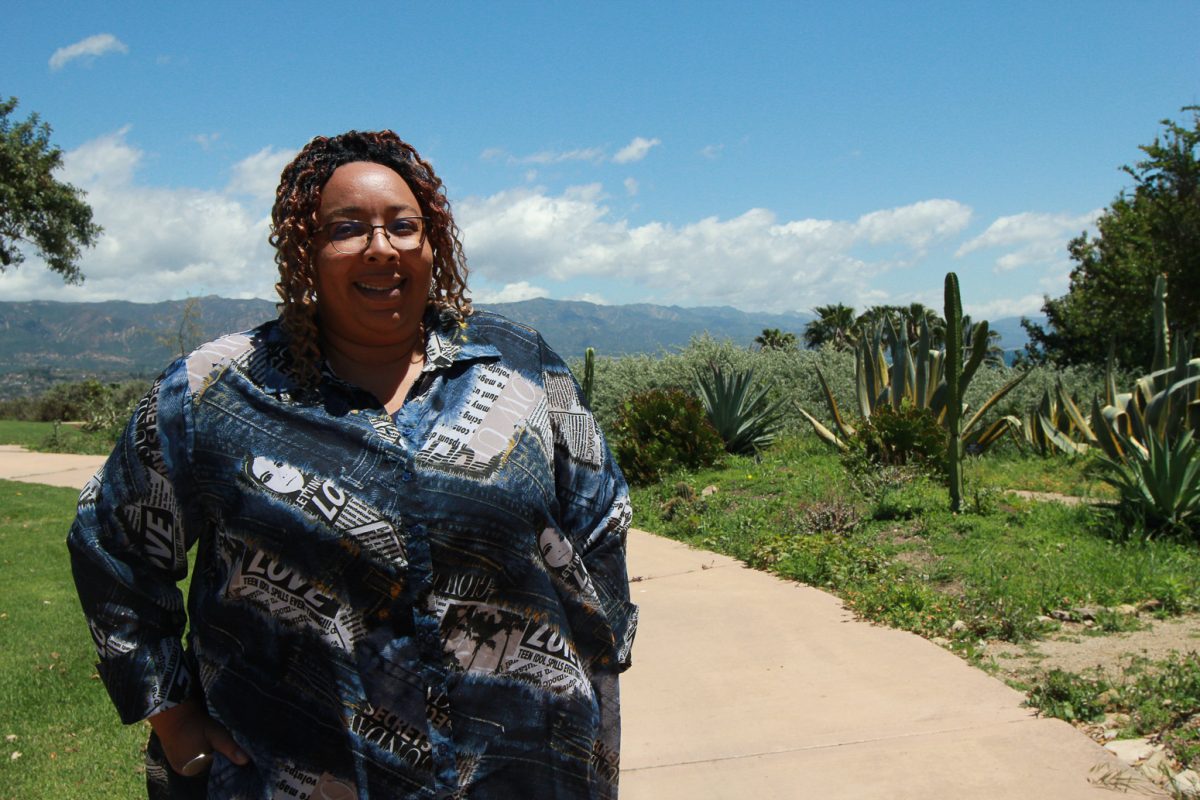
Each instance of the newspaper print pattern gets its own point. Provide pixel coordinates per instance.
(289, 597)
(575, 429)
(294, 783)
(500, 404)
(325, 501)
(487, 639)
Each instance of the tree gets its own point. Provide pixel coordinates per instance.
(775, 339)
(909, 316)
(36, 208)
(1153, 230)
(834, 324)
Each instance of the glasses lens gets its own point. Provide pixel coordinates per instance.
(348, 236)
(352, 237)
(405, 233)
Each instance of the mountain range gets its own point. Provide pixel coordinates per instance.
(43, 342)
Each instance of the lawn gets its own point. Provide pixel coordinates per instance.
(54, 437)
(56, 714)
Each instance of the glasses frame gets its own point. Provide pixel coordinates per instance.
(370, 236)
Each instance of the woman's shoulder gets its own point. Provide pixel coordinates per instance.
(212, 358)
(492, 325)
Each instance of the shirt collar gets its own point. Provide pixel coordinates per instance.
(451, 338)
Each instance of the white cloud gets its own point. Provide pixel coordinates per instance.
(750, 261)
(635, 150)
(1030, 238)
(509, 293)
(157, 243)
(712, 151)
(89, 48)
(592, 154)
(1025, 306)
(205, 140)
(258, 175)
(631, 186)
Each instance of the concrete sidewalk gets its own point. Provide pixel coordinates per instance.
(55, 469)
(746, 686)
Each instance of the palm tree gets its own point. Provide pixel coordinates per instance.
(834, 324)
(995, 353)
(775, 339)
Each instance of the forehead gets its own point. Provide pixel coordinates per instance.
(365, 185)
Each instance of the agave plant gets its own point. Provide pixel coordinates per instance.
(916, 377)
(1162, 406)
(1159, 485)
(1147, 434)
(1056, 425)
(738, 409)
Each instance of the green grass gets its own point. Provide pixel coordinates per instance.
(50, 437)
(888, 545)
(72, 745)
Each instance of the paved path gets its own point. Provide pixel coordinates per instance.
(56, 469)
(746, 686)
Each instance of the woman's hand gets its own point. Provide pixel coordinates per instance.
(187, 732)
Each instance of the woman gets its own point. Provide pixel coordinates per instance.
(409, 576)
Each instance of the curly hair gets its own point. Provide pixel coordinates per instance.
(294, 223)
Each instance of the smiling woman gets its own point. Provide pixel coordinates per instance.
(410, 534)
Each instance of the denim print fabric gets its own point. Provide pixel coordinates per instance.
(431, 604)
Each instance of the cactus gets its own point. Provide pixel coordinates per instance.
(916, 377)
(589, 375)
(954, 387)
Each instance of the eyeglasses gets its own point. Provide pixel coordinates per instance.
(351, 237)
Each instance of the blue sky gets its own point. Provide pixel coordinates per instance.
(769, 156)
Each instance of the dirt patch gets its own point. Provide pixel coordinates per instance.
(1074, 648)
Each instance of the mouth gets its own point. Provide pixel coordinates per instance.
(381, 287)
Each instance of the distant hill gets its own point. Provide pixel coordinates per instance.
(44, 342)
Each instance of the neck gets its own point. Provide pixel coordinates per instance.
(388, 372)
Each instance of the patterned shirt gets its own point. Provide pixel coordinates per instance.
(429, 604)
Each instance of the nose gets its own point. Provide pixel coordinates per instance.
(379, 246)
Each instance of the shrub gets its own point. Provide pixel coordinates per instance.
(906, 437)
(661, 431)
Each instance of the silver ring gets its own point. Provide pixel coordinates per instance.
(197, 765)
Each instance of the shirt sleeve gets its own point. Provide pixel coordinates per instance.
(594, 509)
(128, 550)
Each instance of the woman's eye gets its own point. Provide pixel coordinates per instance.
(404, 227)
(340, 231)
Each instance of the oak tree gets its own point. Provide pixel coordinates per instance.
(37, 209)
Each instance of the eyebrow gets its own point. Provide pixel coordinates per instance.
(358, 211)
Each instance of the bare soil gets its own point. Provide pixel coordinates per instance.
(1077, 648)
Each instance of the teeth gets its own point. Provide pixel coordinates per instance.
(379, 288)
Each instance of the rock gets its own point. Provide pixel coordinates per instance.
(1108, 697)
(1156, 766)
(1127, 610)
(1116, 719)
(1062, 615)
(1150, 605)
(1131, 751)
(1187, 783)
(959, 626)
(940, 641)
(708, 491)
(1085, 613)
(1089, 623)
(1044, 620)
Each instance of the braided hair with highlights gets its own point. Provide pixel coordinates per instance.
(294, 225)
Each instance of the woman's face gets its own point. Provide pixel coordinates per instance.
(375, 298)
